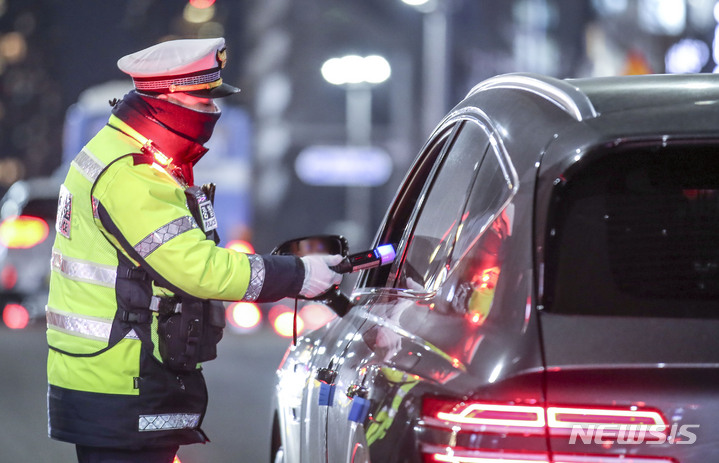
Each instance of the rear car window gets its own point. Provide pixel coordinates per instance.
(45, 208)
(636, 233)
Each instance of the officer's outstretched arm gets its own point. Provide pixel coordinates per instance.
(144, 212)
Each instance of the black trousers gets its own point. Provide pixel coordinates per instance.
(103, 455)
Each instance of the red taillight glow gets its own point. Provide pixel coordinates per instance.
(23, 232)
(437, 454)
(282, 319)
(176, 460)
(8, 277)
(484, 416)
(315, 316)
(283, 324)
(530, 419)
(202, 4)
(15, 316)
(561, 420)
(245, 316)
(532, 422)
(241, 246)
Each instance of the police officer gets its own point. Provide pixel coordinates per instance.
(137, 278)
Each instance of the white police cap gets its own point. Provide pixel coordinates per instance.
(188, 65)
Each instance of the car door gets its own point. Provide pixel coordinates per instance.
(318, 357)
(426, 237)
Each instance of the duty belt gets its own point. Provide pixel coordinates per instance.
(166, 305)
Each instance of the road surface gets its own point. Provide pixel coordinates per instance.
(237, 421)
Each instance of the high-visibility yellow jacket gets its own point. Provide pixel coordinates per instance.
(124, 234)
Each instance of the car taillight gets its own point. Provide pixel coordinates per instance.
(521, 428)
(471, 456)
(244, 316)
(484, 417)
(8, 277)
(241, 246)
(561, 420)
(282, 319)
(23, 231)
(15, 316)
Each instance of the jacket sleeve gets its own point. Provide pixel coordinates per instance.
(146, 213)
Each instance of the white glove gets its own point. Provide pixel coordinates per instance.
(318, 275)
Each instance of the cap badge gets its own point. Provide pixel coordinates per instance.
(222, 57)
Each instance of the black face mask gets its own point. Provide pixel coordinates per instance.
(177, 131)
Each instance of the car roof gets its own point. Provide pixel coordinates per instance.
(592, 97)
(547, 121)
(622, 93)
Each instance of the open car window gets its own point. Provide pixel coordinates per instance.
(424, 266)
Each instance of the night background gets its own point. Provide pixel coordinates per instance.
(58, 71)
(51, 51)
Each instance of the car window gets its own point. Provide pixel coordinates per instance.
(402, 209)
(491, 190)
(635, 233)
(477, 259)
(430, 244)
(45, 208)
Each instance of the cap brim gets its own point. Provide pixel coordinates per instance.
(221, 91)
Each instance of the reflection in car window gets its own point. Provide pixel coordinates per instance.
(491, 190)
(477, 259)
(434, 232)
(636, 234)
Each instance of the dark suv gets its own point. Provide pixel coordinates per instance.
(555, 296)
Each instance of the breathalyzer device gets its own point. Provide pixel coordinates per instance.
(381, 255)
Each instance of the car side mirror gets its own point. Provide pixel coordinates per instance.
(320, 244)
(317, 244)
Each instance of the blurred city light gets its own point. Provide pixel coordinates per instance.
(425, 6)
(196, 14)
(202, 3)
(15, 316)
(244, 316)
(13, 47)
(610, 7)
(23, 232)
(353, 69)
(685, 56)
(283, 324)
(663, 16)
(8, 277)
(316, 316)
(241, 246)
(282, 318)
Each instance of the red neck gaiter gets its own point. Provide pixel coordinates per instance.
(178, 132)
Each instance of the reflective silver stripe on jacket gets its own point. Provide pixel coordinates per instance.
(168, 421)
(83, 326)
(164, 234)
(88, 165)
(257, 277)
(82, 270)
